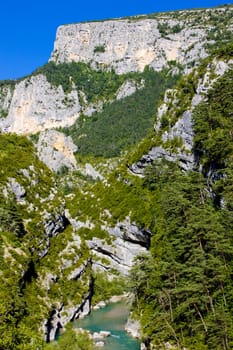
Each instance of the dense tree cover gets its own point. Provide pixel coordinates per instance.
(19, 311)
(18, 320)
(93, 83)
(183, 290)
(10, 160)
(213, 125)
(25, 300)
(71, 340)
(122, 123)
(11, 219)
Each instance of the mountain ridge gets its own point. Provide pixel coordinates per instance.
(157, 41)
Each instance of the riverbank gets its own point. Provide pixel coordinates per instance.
(113, 299)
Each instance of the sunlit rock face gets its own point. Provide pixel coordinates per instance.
(128, 45)
(36, 106)
(56, 150)
(32, 104)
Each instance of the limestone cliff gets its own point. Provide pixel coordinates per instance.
(126, 45)
(56, 150)
(131, 44)
(36, 106)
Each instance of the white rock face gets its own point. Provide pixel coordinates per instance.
(5, 98)
(133, 328)
(120, 255)
(127, 45)
(127, 89)
(56, 150)
(34, 105)
(19, 192)
(90, 171)
(37, 106)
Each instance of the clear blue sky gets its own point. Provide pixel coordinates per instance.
(28, 27)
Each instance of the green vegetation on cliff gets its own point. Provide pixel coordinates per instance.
(20, 312)
(71, 340)
(42, 266)
(125, 122)
(77, 75)
(183, 289)
(213, 125)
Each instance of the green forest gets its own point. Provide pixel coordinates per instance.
(122, 123)
(183, 290)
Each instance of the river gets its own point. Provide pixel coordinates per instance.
(110, 318)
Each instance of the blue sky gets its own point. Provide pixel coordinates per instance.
(28, 28)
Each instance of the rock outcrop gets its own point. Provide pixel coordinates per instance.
(133, 327)
(18, 190)
(127, 89)
(186, 161)
(36, 106)
(182, 130)
(5, 99)
(56, 150)
(60, 316)
(128, 45)
(54, 223)
(128, 241)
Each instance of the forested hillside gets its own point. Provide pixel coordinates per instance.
(183, 290)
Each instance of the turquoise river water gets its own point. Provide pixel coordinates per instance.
(111, 318)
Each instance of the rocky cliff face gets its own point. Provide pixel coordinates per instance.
(131, 44)
(125, 45)
(128, 242)
(36, 106)
(181, 131)
(56, 150)
(128, 45)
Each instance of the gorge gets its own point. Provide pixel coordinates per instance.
(116, 176)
